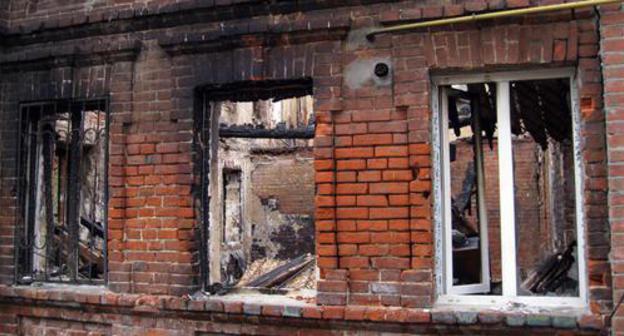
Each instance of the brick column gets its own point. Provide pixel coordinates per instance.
(151, 214)
(612, 53)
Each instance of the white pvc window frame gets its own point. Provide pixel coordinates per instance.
(447, 292)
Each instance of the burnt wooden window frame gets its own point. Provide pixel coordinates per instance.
(202, 135)
(24, 232)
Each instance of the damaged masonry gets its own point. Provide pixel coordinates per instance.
(311, 167)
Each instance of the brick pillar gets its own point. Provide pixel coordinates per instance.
(375, 233)
(612, 53)
(151, 213)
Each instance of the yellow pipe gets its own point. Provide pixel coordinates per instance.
(492, 15)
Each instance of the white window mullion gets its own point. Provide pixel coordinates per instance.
(446, 180)
(482, 212)
(506, 175)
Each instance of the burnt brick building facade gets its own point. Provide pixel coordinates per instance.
(156, 95)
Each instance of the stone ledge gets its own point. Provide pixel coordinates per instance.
(552, 318)
(290, 308)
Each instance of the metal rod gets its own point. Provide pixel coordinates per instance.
(492, 15)
(73, 186)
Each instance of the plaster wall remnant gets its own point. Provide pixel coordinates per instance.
(262, 189)
(361, 72)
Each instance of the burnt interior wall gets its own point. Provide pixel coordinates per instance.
(262, 190)
(284, 185)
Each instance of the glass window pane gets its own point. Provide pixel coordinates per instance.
(544, 188)
(474, 188)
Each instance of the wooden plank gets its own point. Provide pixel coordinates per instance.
(280, 274)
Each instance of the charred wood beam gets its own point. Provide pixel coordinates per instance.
(549, 276)
(30, 141)
(258, 132)
(275, 90)
(483, 106)
(95, 228)
(86, 254)
(295, 274)
(281, 274)
(280, 150)
(454, 116)
(203, 123)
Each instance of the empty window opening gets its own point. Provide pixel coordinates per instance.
(62, 192)
(260, 189)
(510, 194)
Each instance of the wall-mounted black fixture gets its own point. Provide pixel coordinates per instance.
(382, 70)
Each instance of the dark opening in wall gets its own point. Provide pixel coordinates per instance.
(255, 151)
(62, 197)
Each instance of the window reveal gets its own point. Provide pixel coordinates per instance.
(62, 191)
(510, 191)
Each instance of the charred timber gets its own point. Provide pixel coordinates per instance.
(281, 274)
(259, 132)
(552, 274)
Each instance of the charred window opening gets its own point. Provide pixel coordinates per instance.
(257, 186)
(62, 166)
(510, 189)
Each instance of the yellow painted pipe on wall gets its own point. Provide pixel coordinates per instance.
(492, 15)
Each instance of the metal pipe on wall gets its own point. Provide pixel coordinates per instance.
(493, 15)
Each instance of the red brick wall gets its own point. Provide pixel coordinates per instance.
(151, 214)
(372, 147)
(612, 54)
(492, 46)
(61, 327)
